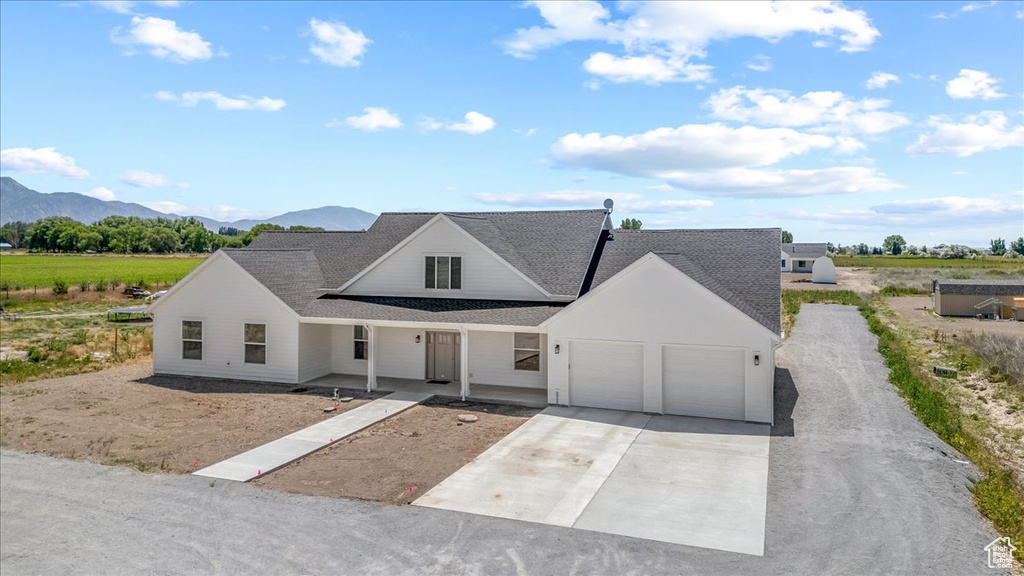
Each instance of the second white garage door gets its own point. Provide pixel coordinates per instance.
(606, 374)
(703, 381)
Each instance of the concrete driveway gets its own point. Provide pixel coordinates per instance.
(672, 479)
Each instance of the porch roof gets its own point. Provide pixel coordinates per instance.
(433, 310)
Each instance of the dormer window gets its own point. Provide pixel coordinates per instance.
(443, 273)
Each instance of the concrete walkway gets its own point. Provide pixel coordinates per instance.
(283, 451)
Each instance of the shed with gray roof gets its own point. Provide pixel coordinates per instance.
(990, 298)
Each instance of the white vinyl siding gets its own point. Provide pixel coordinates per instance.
(314, 351)
(398, 353)
(606, 374)
(343, 356)
(492, 361)
(223, 297)
(703, 381)
(483, 276)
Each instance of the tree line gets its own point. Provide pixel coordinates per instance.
(896, 245)
(129, 235)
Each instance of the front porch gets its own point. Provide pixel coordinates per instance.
(511, 395)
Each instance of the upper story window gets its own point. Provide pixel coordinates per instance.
(443, 273)
(783, 263)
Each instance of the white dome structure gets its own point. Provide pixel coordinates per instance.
(823, 271)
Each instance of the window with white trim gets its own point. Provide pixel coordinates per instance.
(443, 273)
(255, 343)
(783, 263)
(191, 340)
(360, 343)
(527, 351)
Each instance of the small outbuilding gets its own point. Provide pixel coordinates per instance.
(823, 271)
(997, 299)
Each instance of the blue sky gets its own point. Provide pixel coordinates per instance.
(840, 122)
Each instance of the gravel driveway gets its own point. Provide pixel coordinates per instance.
(856, 486)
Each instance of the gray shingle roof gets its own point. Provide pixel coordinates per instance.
(805, 250)
(459, 311)
(982, 287)
(292, 275)
(552, 248)
(740, 265)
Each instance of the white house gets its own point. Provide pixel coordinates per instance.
(548, 300)
(800, 257)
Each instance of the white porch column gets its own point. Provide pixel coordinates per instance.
(371, 358)
(464, 361)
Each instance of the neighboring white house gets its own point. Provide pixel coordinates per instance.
(645, 320)
(801, 257)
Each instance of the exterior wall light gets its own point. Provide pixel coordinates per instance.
(417, 338)
(558, 348)
(757, 359)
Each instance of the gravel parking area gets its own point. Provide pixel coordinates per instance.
(128, 417)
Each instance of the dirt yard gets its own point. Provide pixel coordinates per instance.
(917, 311)
(128, 417)
(398, 459)
(859, 280)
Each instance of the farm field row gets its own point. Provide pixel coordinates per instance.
(24, 271)
(918, 262)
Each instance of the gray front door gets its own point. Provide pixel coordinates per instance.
(443, 355)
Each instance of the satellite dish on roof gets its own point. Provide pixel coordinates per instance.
(608, 203)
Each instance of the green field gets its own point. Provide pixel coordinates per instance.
(917, 262)
(24, 271)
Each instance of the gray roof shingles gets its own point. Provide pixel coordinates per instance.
(551, 248)
(982, 287)
(740, 265)
(805, 250)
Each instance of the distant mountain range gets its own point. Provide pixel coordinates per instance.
(20, 203)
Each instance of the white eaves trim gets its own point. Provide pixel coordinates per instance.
(660, 261)
(218, 255)
(481, 245)
(451, 326)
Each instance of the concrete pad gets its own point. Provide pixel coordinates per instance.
(273, 455)
(691, 481)
(688, 481)
(545, 471)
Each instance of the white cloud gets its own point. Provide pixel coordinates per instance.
(101, 193)
(337, 44)
(974, 6)
(822, 111)
(659, 39)
(759, 63)
(143, 179)
(221, 213)
(40, 161)
(960, 173)
(972, 84)
(373, 119)
(530, 132)
(128, 6)
(989, 130)
(922, 213)
(221, 102)
(720, 160)
(881, 80)
(164, 39)
(475, 123)
(649, 69)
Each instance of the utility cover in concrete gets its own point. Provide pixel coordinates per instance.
(692, 481)
(273, 455)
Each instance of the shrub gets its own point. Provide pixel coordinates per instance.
(79, 337)
(83, 286)
(101, 285)
(54, 344)
(114, 283)
(60, 287)
(35, 355)
(903, 291)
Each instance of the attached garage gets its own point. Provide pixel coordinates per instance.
(703, 381)
(606, 374)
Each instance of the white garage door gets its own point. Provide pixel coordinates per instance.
(703, 381)
(606, 374)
